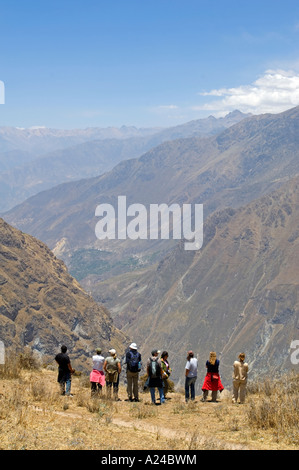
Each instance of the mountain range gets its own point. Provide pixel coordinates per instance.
(32, 160)
(230, 169)
(40, 140)
(240, 291)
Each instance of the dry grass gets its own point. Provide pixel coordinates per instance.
(34, 416)
(277, 409)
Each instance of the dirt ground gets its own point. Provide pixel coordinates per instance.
(34, 416)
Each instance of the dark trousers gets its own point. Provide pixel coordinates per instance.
(190, 387)
(109, 386)
(96, 388)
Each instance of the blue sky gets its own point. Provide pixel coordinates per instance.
(77, 64)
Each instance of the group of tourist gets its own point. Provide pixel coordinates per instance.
(212, 380)
(106, 372)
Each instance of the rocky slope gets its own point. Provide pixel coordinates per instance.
(42, 306)
(240, 292)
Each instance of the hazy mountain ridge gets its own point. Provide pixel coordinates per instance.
(40, 140)
(228, 170)
(59, 156)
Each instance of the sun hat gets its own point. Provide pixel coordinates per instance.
(133, 346)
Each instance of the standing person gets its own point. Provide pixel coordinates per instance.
(166, 371)
(212, 379)
(133, 361)
(112, 367)
(65, 371)
(240, 379)
(97, 376)
(191, 376)
(154, 372)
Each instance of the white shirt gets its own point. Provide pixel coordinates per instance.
(98, 362)
(192, 367)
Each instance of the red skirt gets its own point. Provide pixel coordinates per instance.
(212, 382)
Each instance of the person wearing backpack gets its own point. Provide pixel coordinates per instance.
(154, 372)
(133, 361)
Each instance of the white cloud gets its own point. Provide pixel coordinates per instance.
(167, 107)
(171, 112)
(274, 92)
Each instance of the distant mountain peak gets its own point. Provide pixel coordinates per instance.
(236, 112)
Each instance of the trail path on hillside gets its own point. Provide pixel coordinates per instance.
(157, 430)
(34, 416)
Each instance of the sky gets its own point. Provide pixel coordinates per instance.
(156, 63)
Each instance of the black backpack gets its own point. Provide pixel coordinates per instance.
(134, 362)
(154, 368)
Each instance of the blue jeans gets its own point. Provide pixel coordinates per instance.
(65, 386)
(190, 387)
(68, 387)
(161, 394)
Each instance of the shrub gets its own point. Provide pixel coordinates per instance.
(277, 408)
(29, 360)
